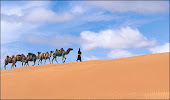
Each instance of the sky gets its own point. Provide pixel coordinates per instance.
(102, 29)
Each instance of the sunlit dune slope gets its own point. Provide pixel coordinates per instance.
(139, 77)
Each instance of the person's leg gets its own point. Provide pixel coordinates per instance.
(77, 58)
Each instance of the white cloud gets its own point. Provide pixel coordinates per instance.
(17, 19)
(124, 38)
(160, 49)
(12, 32)
(19, 9)
(85, 13)
(57, 40)
(45, 15)
(12, 25)
(98, 17)
(90, 58)
(119, 54)
(145, 7)
(33, 11)
(39, 15)
(78, 9)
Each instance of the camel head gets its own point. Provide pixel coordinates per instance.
(13, 56)
(22, 55)
(39, 52)
(7, 56)
(70, 49)
(51, 51)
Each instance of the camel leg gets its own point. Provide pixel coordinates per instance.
(5, 66)
(34, 62)
(27, 64)
(45, 61)
(22, 63)
(41, 60)
(56, 59)
(11, 66)
(49, 61)
(52, 60)
(38, 61)
(64, 60)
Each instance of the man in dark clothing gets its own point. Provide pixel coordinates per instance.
(79, 55)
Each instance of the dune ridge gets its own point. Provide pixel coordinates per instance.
(139, 77)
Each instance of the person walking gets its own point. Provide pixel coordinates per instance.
(79, 55)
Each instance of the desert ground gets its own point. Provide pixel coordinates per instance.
(139, 77)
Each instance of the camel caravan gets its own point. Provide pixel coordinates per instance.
(32, 57)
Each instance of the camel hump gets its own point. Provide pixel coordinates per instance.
(30, 53)
(33, 55)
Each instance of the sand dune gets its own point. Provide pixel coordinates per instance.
(140, 77)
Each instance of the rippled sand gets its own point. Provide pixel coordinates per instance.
(140, 77)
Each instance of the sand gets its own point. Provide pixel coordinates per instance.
(139, 77)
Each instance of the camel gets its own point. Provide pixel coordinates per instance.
(20, 58)
(45, 56)
(10, 60)
(31, 57)
(60, 53)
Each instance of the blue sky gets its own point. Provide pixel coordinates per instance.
(102, 29)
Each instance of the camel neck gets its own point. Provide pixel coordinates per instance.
(67, 52)
(50, 54)
(38, 55)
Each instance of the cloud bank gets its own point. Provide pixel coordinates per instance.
(90, 58)
(160, 49)
(123, 38)
(57, 40)
(119, 54)
(144, 7)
